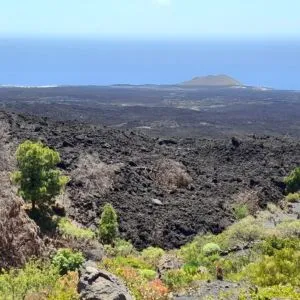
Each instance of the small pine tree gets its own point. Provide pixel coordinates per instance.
(108, 226)
(38, 179)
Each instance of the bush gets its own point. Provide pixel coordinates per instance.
(210, 249)
(65, 288)
(171, 174)
(108, 227)
(67, 260)
(289, 228)
(177, 279)
(132, 270)
(120, 248)
(152, 255)
(280, 269)
(38, 179)
(246, 230)
(276, 292)
(148, 274)
(35, 277)
(292, 181)
(292, 197)
(240, 211)
(154, 290)
(70, 230)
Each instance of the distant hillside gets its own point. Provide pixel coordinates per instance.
(212, 80)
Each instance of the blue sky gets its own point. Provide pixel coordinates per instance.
(151, 18)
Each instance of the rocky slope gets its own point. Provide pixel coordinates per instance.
(218, 173)
(19, 238)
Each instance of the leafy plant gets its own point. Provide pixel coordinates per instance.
(67, 260)
(211, 248)
(33, 278)
(289, 228)
(38, 179)
(154, 290)
(280, 269)
(240, 211)
(70, 230)
(65, 288)
(293, 197)
(108, 227)
(148, 274)
(120, 248)
(152, 255)
(276, 292)
(292, 181)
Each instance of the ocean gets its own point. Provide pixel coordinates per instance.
(40, 62)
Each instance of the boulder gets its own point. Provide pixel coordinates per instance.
(95, 284)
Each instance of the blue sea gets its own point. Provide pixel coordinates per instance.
(35, 62)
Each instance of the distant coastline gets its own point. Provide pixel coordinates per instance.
(77, 62)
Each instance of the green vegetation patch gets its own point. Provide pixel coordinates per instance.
(240, 211)
(38, 280)
(293, 197)
(67, 260)
(292, 181)
(70, 230)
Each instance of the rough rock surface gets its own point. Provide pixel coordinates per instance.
(19, 238)
(220, 171)
(168, 262)
(95, 284)
(214, 290)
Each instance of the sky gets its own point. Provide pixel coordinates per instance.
(151, 18)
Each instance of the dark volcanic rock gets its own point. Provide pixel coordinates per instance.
(214, 290)
(95, 284)
(219, 170)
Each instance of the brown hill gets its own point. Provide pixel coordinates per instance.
(212, 80)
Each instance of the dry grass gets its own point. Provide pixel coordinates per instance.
(171, 174)
(94, 176)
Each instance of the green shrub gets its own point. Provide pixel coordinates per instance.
(280, 269)
(67, 260)
(191, 268)
(292, 181)
(246, 230)
(210, 249)
(38, 179)
(233, 264)
(273, 243)
(108, 227)
(148, 274)
(152, 255)
(120, 248)
(34, 277)
(292, 197)
(276, 292)
(289, 228)
(177, 279)
(191, 251)
(65, 288)
(70, 230)
(240, 211)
